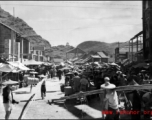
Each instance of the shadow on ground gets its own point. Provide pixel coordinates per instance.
(51, 91)
(22, 92)
(70, 106)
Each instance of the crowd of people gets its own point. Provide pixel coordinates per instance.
(96, 76)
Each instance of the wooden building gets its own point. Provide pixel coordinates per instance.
(12, 46)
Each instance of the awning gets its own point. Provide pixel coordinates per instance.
(19, 65)
(32, 62)
(6, 67)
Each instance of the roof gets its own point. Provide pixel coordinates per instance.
(76, 50)
(9, 27)
(95, 56)
(102, 55)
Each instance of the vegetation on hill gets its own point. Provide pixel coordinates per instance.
(23, 28)
(55, 51)
(98, 46)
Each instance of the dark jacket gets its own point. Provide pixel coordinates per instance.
(6, 92)
(43, 87)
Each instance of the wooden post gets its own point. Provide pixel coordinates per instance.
(132, 50)
(129, 51)
(137, 49)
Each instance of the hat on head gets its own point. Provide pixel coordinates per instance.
(108, 86)
(107, 78)
(124, 75)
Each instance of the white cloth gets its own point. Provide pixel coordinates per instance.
(112, 99)
(107, 86)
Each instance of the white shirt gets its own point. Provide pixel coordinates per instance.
(112, 99)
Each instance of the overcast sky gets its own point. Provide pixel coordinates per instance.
(74, 22)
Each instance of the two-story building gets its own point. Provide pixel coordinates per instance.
(12, 46)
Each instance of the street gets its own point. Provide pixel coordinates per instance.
(41, 109)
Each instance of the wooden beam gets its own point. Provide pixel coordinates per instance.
(100, 91)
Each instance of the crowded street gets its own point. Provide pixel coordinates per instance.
(76, 60)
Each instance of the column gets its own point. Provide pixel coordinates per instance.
(18, 55)
(21, 44)
(9, 53)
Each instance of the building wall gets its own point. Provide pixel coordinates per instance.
(104, 60)
(147, 29)
(5, 35)
(8, 44)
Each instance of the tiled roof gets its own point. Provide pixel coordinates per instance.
(102, 55)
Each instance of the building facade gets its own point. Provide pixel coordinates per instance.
(12, 46)
(147, 29)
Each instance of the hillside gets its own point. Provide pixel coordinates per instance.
(60, 51)
(23, 28)
(88, 46)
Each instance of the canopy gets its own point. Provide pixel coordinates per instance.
(6, 67)
(19, 65)
(62, 64)
(47, 64)
(10, 82)
(32, 62)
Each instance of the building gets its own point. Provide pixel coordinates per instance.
(12, 46)
(38, 53)
(147, 30)
(104, 56)
(131, 51)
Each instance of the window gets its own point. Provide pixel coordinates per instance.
(37, 52)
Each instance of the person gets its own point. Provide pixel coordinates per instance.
(110, 102)
(7, 100)
(76, 83)
(146, 103)
(43, 90)
(84, 83)
(59, 74)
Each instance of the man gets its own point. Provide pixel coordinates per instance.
(7, 100)
(110, 101)
(43, 90)
(84, 83)
(76, 83)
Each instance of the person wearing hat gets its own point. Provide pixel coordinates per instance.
(110, 100)
(84, 83)
(76, 83)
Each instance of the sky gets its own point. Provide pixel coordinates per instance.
(74, 22)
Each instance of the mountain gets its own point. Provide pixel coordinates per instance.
(97, 46)
(60, 51)
(23, 28)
